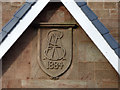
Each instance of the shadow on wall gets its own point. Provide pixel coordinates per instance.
(17, 49)
(48, 12)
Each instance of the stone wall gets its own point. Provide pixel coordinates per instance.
(108, 15)
(8, 10)
(89, 69)
(106, 11)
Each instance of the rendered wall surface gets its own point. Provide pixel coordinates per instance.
(89, 69)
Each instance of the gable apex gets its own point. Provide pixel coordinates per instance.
(86, 18)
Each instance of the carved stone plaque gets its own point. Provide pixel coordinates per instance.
(55, 51)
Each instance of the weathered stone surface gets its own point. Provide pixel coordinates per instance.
(108, 84)
(89, 68)
(86, 71)
(92, 53)
(17, 4)
(91, 84)
(11, 83)
(53, 84)
(110, 5)
(10, 73)
(106, 75)
(96, 5)
(103, 66)
(104, 14)
(114, 12)
(113, 23)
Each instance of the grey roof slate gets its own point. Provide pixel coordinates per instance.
(80, 4)
(89, 13)
(15, 20)
(111, 41)
(102, 29)
(10, 25)
(3, 35)
(22, 11)
(117, 51)
(31, 1)
(83, 5)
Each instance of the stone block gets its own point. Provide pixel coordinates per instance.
(80, 52)
(110, 23)
(93, 54)
(23, 62)
(101, 75)
(81, 36)
(87, 66)
(96, 5)
(103, 66)
(91, 84)
(8, 71)
(53, 84)
(11, 83)
(104, 14)
(110, 5)
(110, 84)
(71, 74)
(16, 4)
(86, 75)
(114, 12)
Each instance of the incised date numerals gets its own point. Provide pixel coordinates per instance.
(55, 65)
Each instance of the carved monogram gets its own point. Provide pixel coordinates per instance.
(56, 51)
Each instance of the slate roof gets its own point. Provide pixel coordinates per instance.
(100, 27)
(87, 11)
(14, 21)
